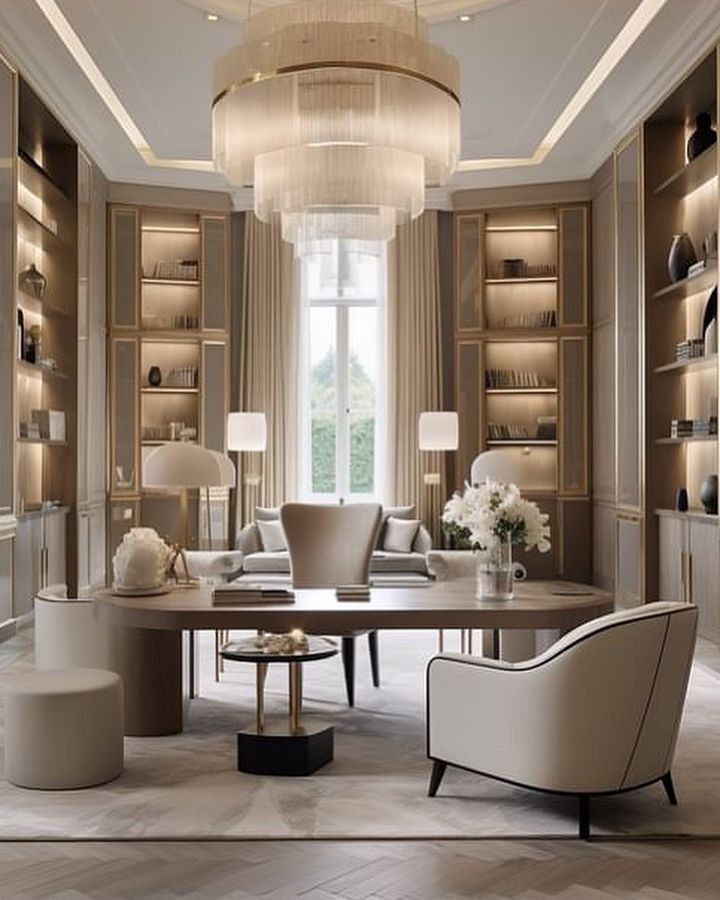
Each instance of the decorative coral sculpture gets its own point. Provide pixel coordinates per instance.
(141, 560)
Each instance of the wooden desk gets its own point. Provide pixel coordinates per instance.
(147, 642)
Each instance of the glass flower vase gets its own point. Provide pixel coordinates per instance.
(495, 572)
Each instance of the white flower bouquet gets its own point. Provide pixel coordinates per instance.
(492, 514)
(490, 518)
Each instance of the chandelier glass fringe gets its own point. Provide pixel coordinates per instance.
(339, 113)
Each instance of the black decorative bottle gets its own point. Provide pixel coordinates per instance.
(703, 137)
(20, 334)
(155, 376)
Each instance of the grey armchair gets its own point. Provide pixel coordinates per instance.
(331, 546)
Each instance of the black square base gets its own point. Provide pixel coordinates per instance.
(279, 753)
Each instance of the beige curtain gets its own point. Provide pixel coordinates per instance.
(414, 367)
(269, 373)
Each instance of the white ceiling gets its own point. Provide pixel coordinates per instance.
(521, 63)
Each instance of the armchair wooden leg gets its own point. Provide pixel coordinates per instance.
(584, 817)
(348, 658)
(374, 658)
(669, 788)
(436, 776)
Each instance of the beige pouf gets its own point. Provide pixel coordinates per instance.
(63, 728)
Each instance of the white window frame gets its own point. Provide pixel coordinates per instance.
(342, 306)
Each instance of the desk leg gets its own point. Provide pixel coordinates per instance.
(295, 709)
(149, 661)
(260, 676)
(496, 643)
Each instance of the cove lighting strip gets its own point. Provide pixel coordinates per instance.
(624, 40)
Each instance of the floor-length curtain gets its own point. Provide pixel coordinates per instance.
(414, 367)
(269, 373)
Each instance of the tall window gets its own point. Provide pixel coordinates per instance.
(342, 398)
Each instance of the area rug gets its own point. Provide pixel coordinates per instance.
(187, 786)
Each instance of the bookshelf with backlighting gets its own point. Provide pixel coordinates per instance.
(521, 362)
(46, 350)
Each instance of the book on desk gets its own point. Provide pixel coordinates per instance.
(234, 594)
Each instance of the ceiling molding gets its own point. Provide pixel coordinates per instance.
(688, 49)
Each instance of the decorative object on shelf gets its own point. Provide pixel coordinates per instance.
(504, 432)
(709, 326)
(514, 378)
(141, 561)
(544, 318)
(513, 268)
(175, 430)
(183, 376)
(490, 518)
(546, 428)
(348, 163)
(681, 500)
(20, 349)
(680, 428)
(33, 282)
(709, 494)
(154, 376)
(710, 247)
(681, 256)
(173, 270)
(702, 138)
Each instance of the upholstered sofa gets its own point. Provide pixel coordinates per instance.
(253, 560)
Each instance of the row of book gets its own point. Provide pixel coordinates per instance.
(514, 378)
(683, 428)
(544, 318)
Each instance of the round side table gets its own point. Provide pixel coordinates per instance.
(269, 748)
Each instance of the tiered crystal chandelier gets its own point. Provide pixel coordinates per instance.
(339, 113)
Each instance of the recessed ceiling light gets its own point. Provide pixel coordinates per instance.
(465, 17)
(211, 17)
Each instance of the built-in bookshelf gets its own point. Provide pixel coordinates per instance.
(681, 361)
(46, 343)
(169, 296)
(521, 357)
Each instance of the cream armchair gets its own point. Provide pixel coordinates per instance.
(597, 713)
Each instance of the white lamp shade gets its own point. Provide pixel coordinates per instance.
(184, 465)
(247, 431)
(438, 431)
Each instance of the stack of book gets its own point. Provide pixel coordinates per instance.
(353, 592)
(544, 318)
(691, 349)
(233, 594)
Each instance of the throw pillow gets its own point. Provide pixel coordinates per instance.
(272, 536)
(396, 512)
(267, 513)
(400, 534)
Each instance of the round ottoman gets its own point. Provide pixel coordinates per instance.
(63, 728)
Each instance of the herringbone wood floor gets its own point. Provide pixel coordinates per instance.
(391, 870)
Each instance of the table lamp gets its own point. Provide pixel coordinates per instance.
(247, 433)
(183, 466)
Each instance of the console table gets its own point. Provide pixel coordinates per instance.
(147, 639)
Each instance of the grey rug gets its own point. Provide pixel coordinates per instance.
(187, 785)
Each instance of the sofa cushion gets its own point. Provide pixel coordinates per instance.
(272, 536)
(397, 512)
(382, 562)
(400, 534)
(398, 563)
(272, 563)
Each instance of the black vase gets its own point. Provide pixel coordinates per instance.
(681, 256)
(155, 376)
(703, 137)
(709, 494)
(681, 500)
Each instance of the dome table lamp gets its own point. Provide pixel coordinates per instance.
(247, 433)
(185, 466)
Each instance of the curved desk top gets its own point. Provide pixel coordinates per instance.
(444, 604)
